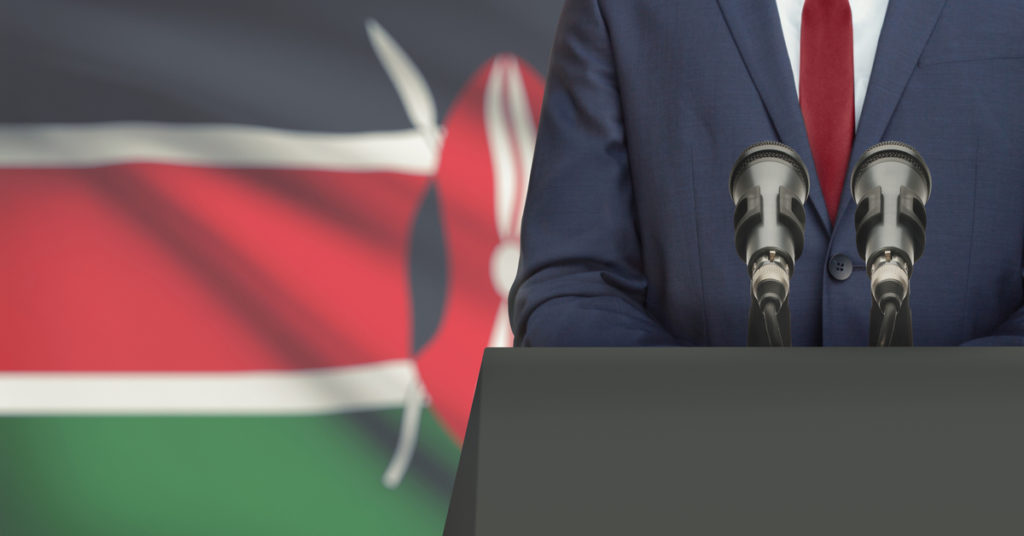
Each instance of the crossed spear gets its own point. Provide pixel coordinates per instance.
(511, 135)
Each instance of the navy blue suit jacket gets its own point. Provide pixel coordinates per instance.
(627, 234)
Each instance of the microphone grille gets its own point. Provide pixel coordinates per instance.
(769, 149)
(892, 149)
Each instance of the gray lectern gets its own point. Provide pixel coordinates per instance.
(744, 441)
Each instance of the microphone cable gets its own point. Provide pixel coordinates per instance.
(770, 310)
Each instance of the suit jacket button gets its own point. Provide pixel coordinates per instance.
(840, 267)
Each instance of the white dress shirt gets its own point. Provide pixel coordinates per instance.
(868, 16)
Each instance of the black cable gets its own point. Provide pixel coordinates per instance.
(890, 310)
(770, 310)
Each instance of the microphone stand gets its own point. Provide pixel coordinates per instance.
(902, 332)
(890, 185)
(769, 186)
(757, 326)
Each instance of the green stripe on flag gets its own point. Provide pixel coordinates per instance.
(116, 476)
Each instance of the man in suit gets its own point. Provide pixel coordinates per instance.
(627, 234)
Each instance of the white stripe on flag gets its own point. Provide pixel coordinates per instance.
(365, 387)
(69, 145)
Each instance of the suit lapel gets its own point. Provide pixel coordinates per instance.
(908, 24)
(756, 29)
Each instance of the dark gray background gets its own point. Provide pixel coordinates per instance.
(303, 64)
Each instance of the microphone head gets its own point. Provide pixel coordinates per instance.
(891, 184)
(893, 162)
(769, 185)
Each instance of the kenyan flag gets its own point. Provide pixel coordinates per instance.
(250, 256)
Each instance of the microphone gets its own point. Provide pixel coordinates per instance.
(769, 185)
(890, 185)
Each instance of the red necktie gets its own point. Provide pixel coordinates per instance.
(826, 91)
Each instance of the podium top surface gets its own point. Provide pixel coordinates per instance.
(744, 441)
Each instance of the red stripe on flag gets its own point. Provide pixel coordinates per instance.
(154, 267)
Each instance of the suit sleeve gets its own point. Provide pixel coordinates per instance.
(1010, 332)
(580, 279)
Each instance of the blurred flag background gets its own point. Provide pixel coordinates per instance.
(251, 254)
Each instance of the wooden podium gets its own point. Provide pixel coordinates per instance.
(744, 441)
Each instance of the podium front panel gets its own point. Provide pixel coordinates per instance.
(747, 441)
